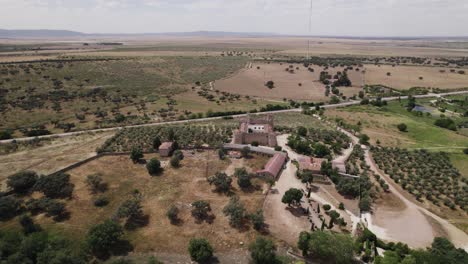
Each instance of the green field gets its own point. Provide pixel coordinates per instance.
(381, 124)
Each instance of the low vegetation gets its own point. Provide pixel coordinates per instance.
(426, 175)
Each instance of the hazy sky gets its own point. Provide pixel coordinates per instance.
(329, 17)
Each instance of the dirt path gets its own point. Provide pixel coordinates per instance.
(283, 222)
(412, 225)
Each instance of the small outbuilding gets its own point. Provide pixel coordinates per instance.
(313, 165)
(274, 166)
(166, 148)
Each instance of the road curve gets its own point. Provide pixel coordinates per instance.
(329, 106)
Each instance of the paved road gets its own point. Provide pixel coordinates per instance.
(217, 118)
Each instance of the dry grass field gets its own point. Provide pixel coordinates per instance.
(251, 81)
(178, 187)
(405, 77)
(52, 155)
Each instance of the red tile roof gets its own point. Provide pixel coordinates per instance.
(166, 145)
(274, 165)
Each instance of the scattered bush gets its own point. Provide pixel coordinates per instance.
(154, 167)
(22, 182)
(55, 186)
(200, 250)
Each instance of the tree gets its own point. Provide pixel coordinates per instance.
(263, 251)
(200, 209)
(235, 211)
(302, 131)
(200, 250)
(9, 207)
(179, 154)
(361, 94)
(55, 209)
(320, 150)
(307, 177)
(258, 220)
(245, 152)
(55, 186)
(292, 196)
(365, 203)
(270, 84)
(221, 181)
(156, 143)
(136, 154)
(173, 214)
(243, 178)
(333, 248)
(175, 162)
(5, 134)
(130, 209)
(21, 182)
(326, 207)
(364, 139)
(303, 243)
(402, 127)
(27, 223)
(154, 166)
(95, 182)
(465, 151)
(103, 237)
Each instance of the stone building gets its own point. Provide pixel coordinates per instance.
(258, 130)
(166, 148)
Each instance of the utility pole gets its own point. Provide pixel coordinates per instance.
(310, 31)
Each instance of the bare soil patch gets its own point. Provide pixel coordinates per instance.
(405, 77)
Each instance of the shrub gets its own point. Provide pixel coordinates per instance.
(200, 209)
(402, 127)
(255, 144)
(55, 186)
(21, 182)
(465, 151)
(326, 207)
(173, 214)
(95, 183)
(154, 166)
(446, 123)
(101, 201)
(4, 134)
(200, 250)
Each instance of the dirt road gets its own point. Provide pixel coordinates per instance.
(345, 104)
(410, 225)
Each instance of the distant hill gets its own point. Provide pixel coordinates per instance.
(46, 33)
(40, 33)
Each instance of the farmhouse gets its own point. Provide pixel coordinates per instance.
(310, 164)
(258, 130)
(274, 166)
(166, 148)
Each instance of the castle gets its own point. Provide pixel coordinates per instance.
(259, 130)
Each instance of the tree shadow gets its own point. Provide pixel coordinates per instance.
(209, 219)
(296, 211)
(122, 248)
(62, 217)
(134, 223)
